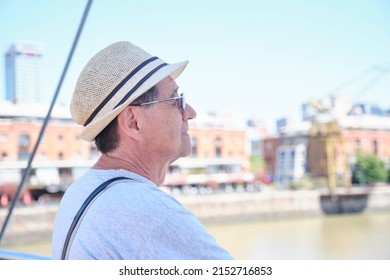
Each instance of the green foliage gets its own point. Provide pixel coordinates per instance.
(369, 169)
(388, 176)
(257, 163)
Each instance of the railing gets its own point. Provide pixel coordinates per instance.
(17, 255)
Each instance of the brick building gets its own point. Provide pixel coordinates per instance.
(220, 153)
(20, 126)
(330, 145)
(366, 133)
(212, 135)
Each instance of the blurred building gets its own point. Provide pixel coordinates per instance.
(23, 62)
(285, 154)
(218, 135)
(20, 125)
(256, 132)
(326, 141)
(220, 154)
(213, 135)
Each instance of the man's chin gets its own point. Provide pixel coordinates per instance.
(186, 151)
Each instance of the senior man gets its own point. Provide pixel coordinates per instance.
(129, 103)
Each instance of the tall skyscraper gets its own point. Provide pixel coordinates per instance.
(23, 62)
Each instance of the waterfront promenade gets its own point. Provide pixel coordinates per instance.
(32, 223)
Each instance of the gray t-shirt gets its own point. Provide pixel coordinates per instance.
(132, 219)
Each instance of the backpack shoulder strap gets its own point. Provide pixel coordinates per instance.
(79, 214)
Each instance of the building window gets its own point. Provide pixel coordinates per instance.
(60, 155)
(4, 156)
(3, 137)
(218, 146)
(357, 144)
(375, 147)
(194, 146)
(24, 140)
(23, 145)
(42, 155)
(255, 148)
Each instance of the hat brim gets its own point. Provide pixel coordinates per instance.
(89, 132)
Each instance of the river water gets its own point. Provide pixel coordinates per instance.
(358, 236)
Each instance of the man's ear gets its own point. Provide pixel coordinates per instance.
(127, 122)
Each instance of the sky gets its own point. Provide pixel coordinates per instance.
(255, 58)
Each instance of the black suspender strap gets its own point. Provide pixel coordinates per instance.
(79, 214)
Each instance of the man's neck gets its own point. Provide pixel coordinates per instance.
(149, 171)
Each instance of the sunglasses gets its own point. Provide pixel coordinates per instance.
(182, 103)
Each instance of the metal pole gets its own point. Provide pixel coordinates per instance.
(27, 170)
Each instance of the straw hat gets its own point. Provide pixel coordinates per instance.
(111, 80)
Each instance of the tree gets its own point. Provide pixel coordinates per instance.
(369, 169)
(388, 176)
(257, 163)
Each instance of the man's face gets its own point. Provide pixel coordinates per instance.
(166, 129)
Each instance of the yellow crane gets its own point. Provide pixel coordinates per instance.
(327, 149)
(326, 136)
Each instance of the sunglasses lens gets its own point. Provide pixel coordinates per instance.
(183, 102)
